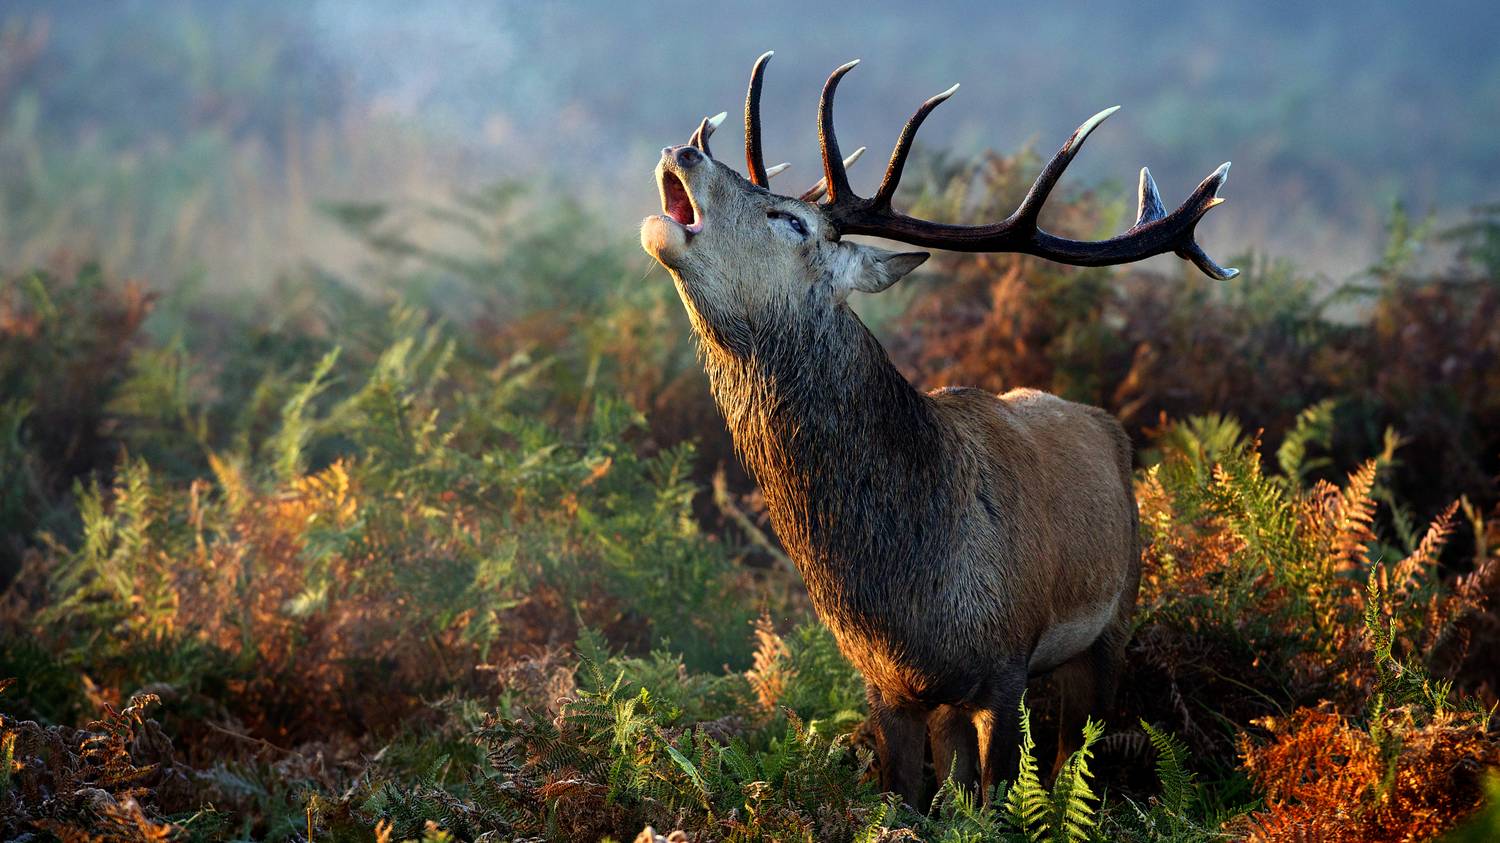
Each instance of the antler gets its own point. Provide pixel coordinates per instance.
(705, 131)
(818, 190)
(755, 163)
(1154, 232)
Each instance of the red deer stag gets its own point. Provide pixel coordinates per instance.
(956, 543)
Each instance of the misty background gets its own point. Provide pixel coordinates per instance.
(199, 140)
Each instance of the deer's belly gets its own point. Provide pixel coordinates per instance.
(1068, 638)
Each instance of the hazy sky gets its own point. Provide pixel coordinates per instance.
(1330, 111)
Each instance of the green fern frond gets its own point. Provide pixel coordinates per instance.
(288, 444)
(1073, 802)
(686, 765)
(1178, 786)
(1027, 803)
(876, 825)
(1314, 427)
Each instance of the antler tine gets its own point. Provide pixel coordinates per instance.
(705, 131)
(1148, 204)
(816, 192)
(1031, 206)
(1204, 197)
(700, 137)
(903, 148)
(755, 162)
(835, 177)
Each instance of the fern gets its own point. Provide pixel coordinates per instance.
(1400, 681)
(877, 824)
(1073, 802)
(1023, 809)
(474, 500)
(287, 446)
(957, 817)
(1027, 804)
(1314, 427)
(1178, 787)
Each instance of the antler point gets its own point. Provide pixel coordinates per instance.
(1091, 124)
(717, 119)
(1217, 179)
(1148, 203)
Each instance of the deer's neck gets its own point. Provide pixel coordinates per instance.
(847, 452)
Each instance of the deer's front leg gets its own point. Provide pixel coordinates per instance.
(954, 746)
(999, 729)
(900, 739)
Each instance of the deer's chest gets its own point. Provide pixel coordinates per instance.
(907, 637)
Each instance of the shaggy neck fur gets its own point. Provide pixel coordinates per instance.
(847, 453)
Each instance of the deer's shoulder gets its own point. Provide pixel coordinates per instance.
(1027, 418)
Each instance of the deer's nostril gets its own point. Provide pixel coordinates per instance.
(687, 156)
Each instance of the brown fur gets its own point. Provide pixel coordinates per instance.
(955, 542)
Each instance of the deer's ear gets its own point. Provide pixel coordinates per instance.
(875, 269)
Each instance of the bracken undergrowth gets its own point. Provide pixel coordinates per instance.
(378, 566)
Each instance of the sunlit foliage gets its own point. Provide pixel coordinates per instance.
(442, 563)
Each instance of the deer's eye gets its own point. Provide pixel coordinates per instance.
(791, 221)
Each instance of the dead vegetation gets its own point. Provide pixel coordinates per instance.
(394, 577)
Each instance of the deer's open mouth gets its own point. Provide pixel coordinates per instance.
(678, 204)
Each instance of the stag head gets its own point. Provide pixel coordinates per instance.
(742, 255)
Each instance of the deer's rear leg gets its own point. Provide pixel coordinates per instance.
(900, 739)
(955, 746)
(1086, 687)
